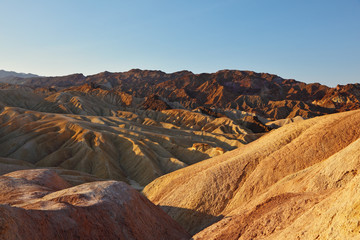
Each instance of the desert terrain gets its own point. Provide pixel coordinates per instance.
(153, 155)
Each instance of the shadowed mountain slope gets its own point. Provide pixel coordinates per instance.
(8, 76)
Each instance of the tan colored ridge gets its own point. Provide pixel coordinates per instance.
(245, 187)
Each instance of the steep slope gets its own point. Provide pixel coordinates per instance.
(39, 204)
(261, 189)
(154, 102)
(320, 202)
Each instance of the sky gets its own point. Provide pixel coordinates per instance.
(307, 40)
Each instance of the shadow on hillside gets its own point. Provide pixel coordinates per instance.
(192, 221)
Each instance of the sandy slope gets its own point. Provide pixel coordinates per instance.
(294, 182)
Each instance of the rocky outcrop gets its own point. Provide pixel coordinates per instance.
(253, 123)
(39, 204)
(154, 102)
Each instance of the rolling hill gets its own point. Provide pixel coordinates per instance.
(299, 181)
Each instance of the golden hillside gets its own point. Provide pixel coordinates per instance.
(297, 182)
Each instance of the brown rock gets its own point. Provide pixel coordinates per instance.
(98, 210)
(154, 102)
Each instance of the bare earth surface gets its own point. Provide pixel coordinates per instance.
(227, 155)
(265, 94)
(39, 204)
(127, 147)
(297, 182)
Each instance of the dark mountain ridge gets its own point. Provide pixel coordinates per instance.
(15, 77)
(6, 74)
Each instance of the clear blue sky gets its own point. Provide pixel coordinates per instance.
(309, 40)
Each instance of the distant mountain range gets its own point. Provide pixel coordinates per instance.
(11, 74)
(264, 94)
